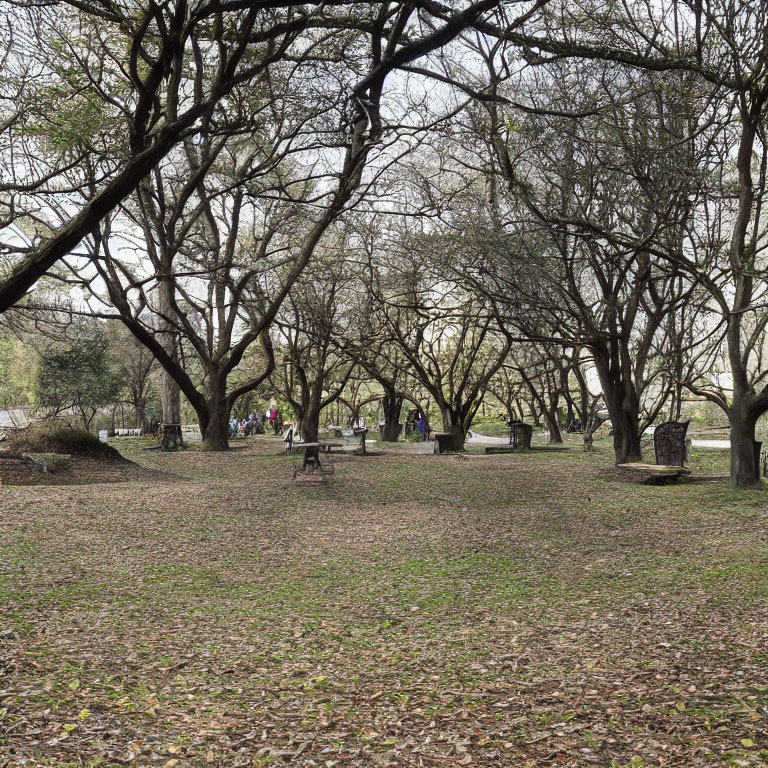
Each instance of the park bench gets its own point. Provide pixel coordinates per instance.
(656, 474)
(292, 445)
(351, 436)
(328, 445)
(670, 448)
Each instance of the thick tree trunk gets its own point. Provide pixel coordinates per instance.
(172, 439)
(214, 426)
(553, 426)
(624, 409)
(170, 399)
(391, 404)
(745, 469)
(626, 439)
(140, 417)
(455, 427)
(309, 426)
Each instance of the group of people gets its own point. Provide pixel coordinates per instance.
(256, 424)
(417, 424)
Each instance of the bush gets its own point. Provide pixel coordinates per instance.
(55, 438)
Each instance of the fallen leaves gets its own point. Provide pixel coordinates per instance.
(486, 620)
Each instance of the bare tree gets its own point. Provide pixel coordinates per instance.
(311, 373)
(723, 47)
(123, 113)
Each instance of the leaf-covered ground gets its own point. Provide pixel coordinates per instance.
(413, 610)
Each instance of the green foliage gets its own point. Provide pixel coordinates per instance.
(79, 376)
(18, 370)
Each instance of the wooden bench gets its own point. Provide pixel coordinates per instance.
(328, 445)
(656, 474)
(300, 446)
(349, 436)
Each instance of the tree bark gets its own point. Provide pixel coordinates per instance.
(553, 425)
(623, 407)
(391, 404)
(454, 425)
(170, 392)
(309, 426)
(626, 439)
(744, 466)
(214, 425)
(140, 417)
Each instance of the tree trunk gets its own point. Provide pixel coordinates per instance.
(140, 417)
(309, 426)
(455, 427)
(214, 426)
(626, 442)
(553, 425)
(170, 398)
(172, 440)
(623, 408)
(745, 469)
(87, 417)
(170, 392)
(535, 418)
(391, 404)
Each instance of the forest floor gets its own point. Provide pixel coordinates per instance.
(410, 610)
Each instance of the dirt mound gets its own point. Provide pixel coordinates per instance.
(55, 455)
(61, 440)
